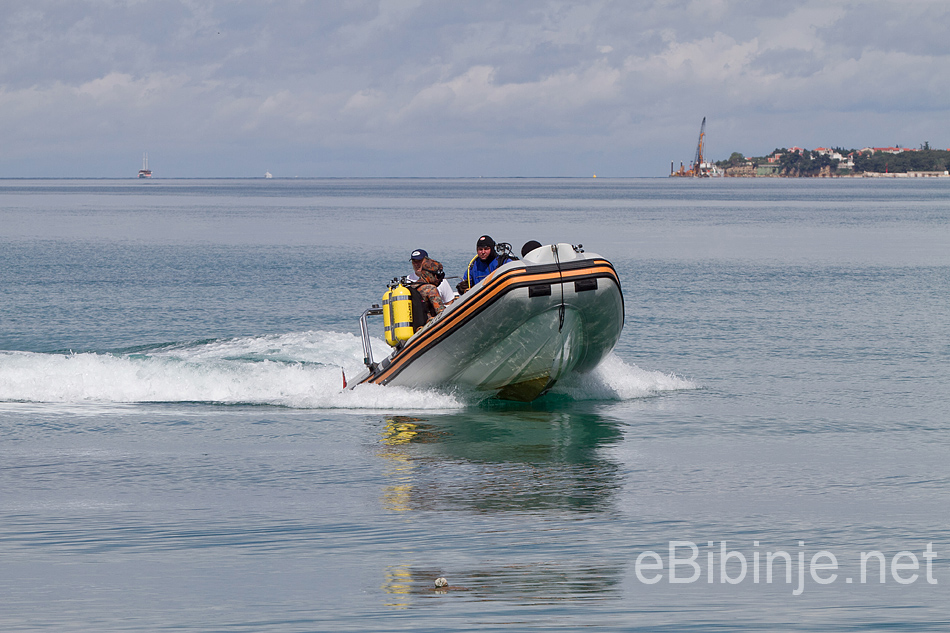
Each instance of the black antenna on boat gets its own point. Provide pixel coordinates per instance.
(560, 308)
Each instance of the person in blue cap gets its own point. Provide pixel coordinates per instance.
(418, 259)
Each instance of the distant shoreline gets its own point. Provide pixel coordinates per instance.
(866, 174)
(824, 162)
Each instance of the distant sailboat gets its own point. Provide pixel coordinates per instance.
(267, 174)
(145, 172)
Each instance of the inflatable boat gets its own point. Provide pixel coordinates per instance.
(514, 335)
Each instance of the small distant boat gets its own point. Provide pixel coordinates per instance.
(267, 174)
(145, 172)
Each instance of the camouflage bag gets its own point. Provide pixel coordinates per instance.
(430, 277)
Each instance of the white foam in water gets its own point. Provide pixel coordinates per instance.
(614, 379)
(300, 370)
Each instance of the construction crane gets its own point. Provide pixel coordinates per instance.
(698, 161)
(697, 169)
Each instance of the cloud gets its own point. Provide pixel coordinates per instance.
(477, 92)
(222, 84)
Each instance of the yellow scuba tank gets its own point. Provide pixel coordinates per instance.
(397, 315)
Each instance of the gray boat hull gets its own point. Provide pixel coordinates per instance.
(518, 332)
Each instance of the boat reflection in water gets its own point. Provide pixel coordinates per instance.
(531, 461)
(526, 465)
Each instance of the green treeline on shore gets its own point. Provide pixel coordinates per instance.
(837, 162)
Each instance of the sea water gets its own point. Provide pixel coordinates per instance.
(768, 447)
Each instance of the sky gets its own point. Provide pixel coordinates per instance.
(452, 88)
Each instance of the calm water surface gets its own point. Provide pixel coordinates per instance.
(178, 452)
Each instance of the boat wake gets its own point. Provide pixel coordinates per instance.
(613, 379)
(301, 370)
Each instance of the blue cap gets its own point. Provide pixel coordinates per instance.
(418, 254)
